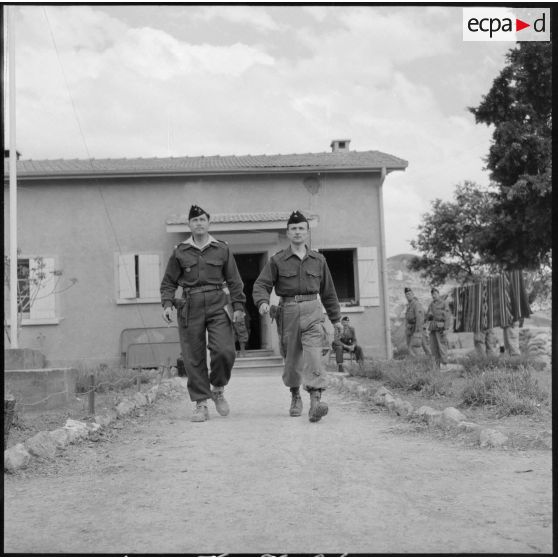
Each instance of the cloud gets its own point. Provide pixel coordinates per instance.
(394, 79)
(250, 16)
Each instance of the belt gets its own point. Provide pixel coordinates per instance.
(203, 289)
(299, 298)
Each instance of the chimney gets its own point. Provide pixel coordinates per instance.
(340, 145)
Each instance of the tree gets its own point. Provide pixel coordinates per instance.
(449, 236)
(519, 106)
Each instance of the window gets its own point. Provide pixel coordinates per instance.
(342, 267)
(355, 275)
(36, 285)
(138, 278)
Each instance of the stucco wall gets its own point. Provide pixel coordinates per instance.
(84, 224)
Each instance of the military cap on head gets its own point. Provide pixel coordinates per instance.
(296, 217)
(196, 211)
(345, 319)
(408, 290)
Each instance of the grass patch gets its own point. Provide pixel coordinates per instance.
(419, 374)
(506, 385)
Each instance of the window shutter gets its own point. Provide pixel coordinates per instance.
(126, 276)
(42, 296)
(368, 279)
(149, 280)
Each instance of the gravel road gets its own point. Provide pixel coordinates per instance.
(260, 482)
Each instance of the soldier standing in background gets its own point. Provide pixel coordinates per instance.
(439, 316)
(414, 322)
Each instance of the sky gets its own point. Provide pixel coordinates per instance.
(181, 80)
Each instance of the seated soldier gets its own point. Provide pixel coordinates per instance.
(346, 341)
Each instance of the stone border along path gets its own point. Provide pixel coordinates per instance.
(449, 418)
(45, 443)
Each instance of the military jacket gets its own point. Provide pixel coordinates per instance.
(190, 266)
(292, 276)
(347, 336)
(439, 312)
(414, 315)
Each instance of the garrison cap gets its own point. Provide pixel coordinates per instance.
(408, 290)
(296, 217)
(196, 211)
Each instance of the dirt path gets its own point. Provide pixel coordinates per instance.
(260, 482)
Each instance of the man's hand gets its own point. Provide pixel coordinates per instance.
(167, 314)
(264, 308)
(238, 316)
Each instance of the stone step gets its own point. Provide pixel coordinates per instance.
(270, 370)
(259, 352)
(254, 362)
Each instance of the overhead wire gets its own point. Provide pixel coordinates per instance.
(90, 161)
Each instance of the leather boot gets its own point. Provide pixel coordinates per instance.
(201, 412)
(317, 408)
(296, 402)
(220, 402)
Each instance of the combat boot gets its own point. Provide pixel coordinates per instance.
(220, 402)
(201, 412)
(296, 402)
(318, 409)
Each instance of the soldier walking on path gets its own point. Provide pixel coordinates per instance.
(201, 265)
(299, 275)
(439, 318)
(415, 335)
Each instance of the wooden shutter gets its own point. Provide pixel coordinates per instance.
(149, 280)
(43, 299)
(368, 278)
(126, 276)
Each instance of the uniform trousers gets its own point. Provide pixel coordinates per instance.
(206, 311)
(414, 341)
(439, 346)
(301, 337)
(338, 348)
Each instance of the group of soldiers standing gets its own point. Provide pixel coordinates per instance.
(428, 330)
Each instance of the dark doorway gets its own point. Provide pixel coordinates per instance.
(249, 267)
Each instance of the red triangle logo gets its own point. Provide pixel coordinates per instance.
(519, 25)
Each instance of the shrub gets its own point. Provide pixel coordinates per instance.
(508, 386)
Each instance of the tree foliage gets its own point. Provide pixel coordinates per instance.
(519, 106)
(449, 236)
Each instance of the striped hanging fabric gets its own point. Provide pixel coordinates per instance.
(497, 301)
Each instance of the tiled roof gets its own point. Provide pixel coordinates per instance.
(268, 216)
(344, 160)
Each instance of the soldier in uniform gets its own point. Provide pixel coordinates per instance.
(439, 316)
(414, 321)
(201, 265)
(346, 341)
(299, 275)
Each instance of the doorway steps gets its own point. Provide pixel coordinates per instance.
(259, 362)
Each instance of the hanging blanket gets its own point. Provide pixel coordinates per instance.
(496, 301)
